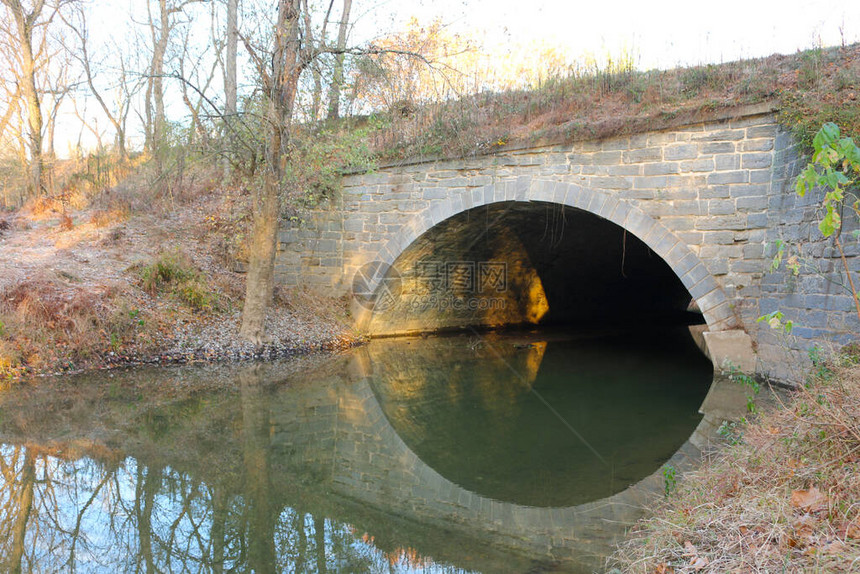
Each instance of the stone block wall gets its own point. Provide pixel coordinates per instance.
(723, 190)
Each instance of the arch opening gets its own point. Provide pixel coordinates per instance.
(529, 263)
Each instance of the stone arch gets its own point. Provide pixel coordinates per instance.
(695, 277)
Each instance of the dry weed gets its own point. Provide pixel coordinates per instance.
(106, 217)
(66, 222)
(47, 323)
(786, 499)
(809, 87)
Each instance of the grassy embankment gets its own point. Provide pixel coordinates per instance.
(129, 263)
(783, 496)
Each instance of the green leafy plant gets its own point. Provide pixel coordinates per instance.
(670, 479)
(731, 432)
(115, 342)
(777, 320)
(821, 370)
(752, 386)
(134, 315)
(835, 167)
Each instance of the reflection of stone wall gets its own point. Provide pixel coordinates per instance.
(326, 432)
(384, 472)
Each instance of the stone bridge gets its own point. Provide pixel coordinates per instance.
(637, 227)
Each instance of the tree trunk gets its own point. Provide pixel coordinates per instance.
(24, 24)
(230, 81)
(316, 98)
(337, 73)
(158, 70)
(154, 105)
(260, 281)
(280, 88)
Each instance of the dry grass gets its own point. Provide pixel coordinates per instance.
(48, 324)
(785, 499)
(45, 206)
(116, 213)
(809, 88)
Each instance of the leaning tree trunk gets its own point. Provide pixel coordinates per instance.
(260, 280)
(281, 87)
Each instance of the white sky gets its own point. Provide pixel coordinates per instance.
(659, 33)
(664, 33)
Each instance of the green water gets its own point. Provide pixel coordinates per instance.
(450, 454)
(574, 421)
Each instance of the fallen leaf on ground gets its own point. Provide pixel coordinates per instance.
(698, 562)
(664, 568)
(804, 531)
(810, 500)
(689, 549)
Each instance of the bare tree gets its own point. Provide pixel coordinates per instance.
(27, 19)
(280, 77)
(161, 25)
(190, 66)
(57, 87)
(313, 61)
(230, 76)
(118, 115)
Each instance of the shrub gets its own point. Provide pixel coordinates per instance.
(173, 272)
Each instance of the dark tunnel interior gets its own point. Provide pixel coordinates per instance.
(529, 263)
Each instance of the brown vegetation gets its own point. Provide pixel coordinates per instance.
(784, 498)
(128, 274)
(808, 88)
(48, 323)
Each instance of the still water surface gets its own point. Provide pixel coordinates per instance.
(446, 454)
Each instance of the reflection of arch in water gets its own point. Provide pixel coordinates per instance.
(583, 533)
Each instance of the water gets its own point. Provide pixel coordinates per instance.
(491, 453)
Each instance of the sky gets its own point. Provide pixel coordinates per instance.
(664, 33)
(658, 33)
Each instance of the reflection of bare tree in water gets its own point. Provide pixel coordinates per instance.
(75, 536)
(166, 503)
(319, 533)
(148, 483)
(258, 487)
(218, 530)
(19, 475)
